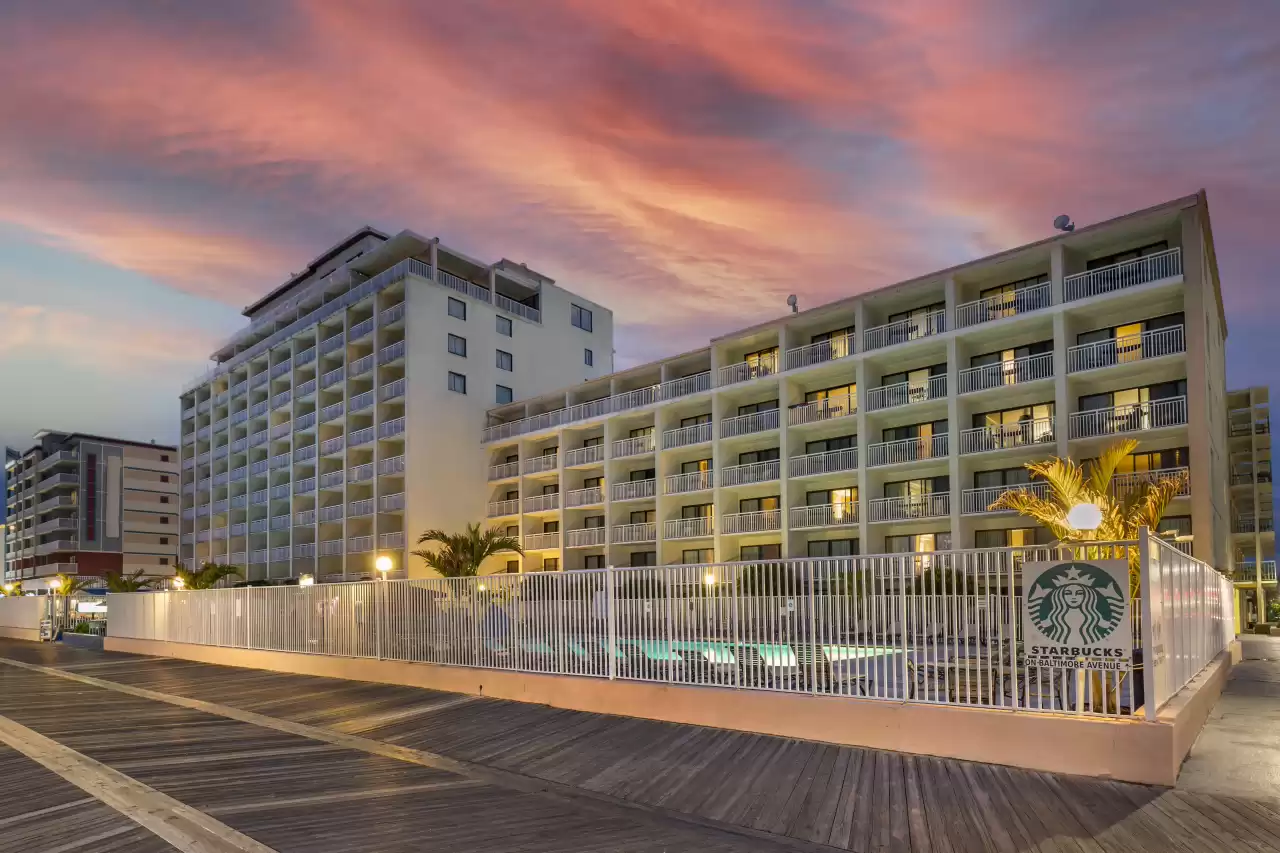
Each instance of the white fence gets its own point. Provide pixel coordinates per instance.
(938, 628)
(23, 611)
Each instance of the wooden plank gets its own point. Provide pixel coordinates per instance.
(845, 814)
(808, 821)
(914, 801)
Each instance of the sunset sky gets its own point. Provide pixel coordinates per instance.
(687, 163)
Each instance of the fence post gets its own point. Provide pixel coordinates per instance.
(379, 599)
(902, 624)
(813, 628)
(611, 620)
(248, 616)
(1148, 641)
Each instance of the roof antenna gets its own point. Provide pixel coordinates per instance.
(1064, 223)
(791, 300)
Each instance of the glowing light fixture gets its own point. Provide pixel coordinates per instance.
(709, 579)
(383, 565)
(179, 583)
(306, 580)
(1085, 517)
(55, 584)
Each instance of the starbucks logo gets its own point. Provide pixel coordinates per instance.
(1075, 604)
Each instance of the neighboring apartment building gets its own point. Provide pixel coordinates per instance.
(344, 420)
(1252, 503)
(11, 458)
(891, 420)
(89, 505)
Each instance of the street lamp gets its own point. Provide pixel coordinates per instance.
(8, 589)
(306, 580)
(1085, 517)
(55, 584)
(179, 583)
(383, 565)
(709, 579)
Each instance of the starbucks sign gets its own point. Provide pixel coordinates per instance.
(1076, 614)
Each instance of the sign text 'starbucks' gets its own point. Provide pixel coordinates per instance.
(1076, 614)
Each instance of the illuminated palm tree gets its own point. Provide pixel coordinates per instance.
(208, 576)
(460, 555)
(135, 581)
(73, 584)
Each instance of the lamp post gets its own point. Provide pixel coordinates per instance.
(383, 565)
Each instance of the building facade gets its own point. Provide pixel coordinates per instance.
(344, 419)
(89, 505)
(1252, 503)
(890, 421)
(11, 458)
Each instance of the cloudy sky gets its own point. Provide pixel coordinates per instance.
(687, 162)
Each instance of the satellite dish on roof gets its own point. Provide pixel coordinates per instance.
(791, 300)
(1064, 223)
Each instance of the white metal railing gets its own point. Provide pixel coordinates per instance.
(1028, 368)
(258, 555)
(542, 503)
(391, 428)
(1003, 305)
(685, 385)
(331, 412)
(1127, 349)
(584, 537)
(305, 486)
(280, 522)
(332, 377)
(304, 453)
(392, 390)
(1005, 436)
(631, 490)
(391, 465)
(281, 430)
(258, 409)
(391, 503)
(360, 507)
(749, 423)
(390, 541)
(842, 405)
(685, 436)
(901, 331)
(332, 445)
(633, 446)
(584, 497)
(820, 352)
(392, 314)
(391, 352)
(361, 436)
(826, 462)
(359, 330)
(332, 479)
(518, 308)
(1134, 417)
(752, 472)
(360, 402)
(259, 525)
(629, 534)
(541, 541)
(281, 369)
(1268, 571)
(764, 365)
(906, 450)
(304, 550)
(823, 515)
(1124, 483)
(360, 366)
(905, 393)
(305, 518)
(760, 521)
(505, 471)
(634, 399)
(329, 548)
(360, 473)
(307, 356)
(538, 464)
(693, 481)
(584, 455)
(977, 501)
(331, 343)
(688, 528)
(280, 492)
(359, 544)
(501, 508)
(1156, 267)
(911, 507)
(280, 460)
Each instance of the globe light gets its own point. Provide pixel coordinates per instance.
(306, 580)
(709, 579)
(179, 583)
(1085, 517)
(383, 565)
(55, 584)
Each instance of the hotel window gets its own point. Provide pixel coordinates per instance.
(1011, 370)
(643, 516)
(512, 457)
(593, 561)
(1128, 255)
(1173, 526)
(918, 488)
(1016, 537)
(513, 567)
(911, 386)
(504, 360)
(580, 317)
(504, 394)
(833, 548)
(550, 527)
(512, 529)
(164, 499)
(457, 383)
(695, 466)
(927, 542)
(458, 346)
(1016, 297)
(641, 474)
(697, 511)
(696, 420)
(1132, 398)
(761, 363)
(457, 308)
(772, 551)
(762, 406)
(834, 344)
(504, 326)
(512, 494)
(551, 564)
(926, 431)
(843, 501)
(839, 442)
(549, 450)
(1014, 419)
(697, 556)
(1155, 460)
(598, 441)
(589, 358)
(765, 504)
(916, 323)
(592, 482)
(551, 489)
(593, 522)
(641, 432)
(1125, 343)
(751, 457)
(640, 559)
(1001, 477)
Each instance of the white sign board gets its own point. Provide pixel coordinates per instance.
(1075, 613)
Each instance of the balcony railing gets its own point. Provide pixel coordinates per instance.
(1124, 483)
(1127, 349)
(761, 521)
(304, 550)
(361, 436)
(391, 352)
(827, 462)
(360, 507)
(280, 522)
(258, 525)
(329, 548)
(842, 405)
(694, 481)
(542, 503)
(505, 471)
(56, 480)
(1028, 368)
(391, 315)
(391, 465)
(749, 423)
(765, 365)
(360, 473)
(359, 544)
(331, 412)
(633, 446)
(330, 513)
(628, 534)
(305, 486)
(1005, 436)
(824, 515)
(331, 343)
(541, 541)
(635, 399)
(977, 501)
(820, 352)
(259, 437)
(1133, 417)
(280, 460)
(911, 508)
(905, 393)
(280, 492)
(689, 528)
(537, 464)
(497, 509)
(584, 497)
(332, 480)
(584, 455)
(391, 428)
(333, 377)
(56, 458)
(1253, 524)
(753, 472)
(685, 436)
(1003, 305)
(359, 330)
(307, 356)
(633, 490)
(304, 453)
(360, 402)
(901, 331)
(584, 537)
(1161, 265)
(685, 385)
(332, 445)
(528, 312)
(391, 541)
(305, 518)
(360, 366)
(906, 450)
(392, 390)
(391, 503)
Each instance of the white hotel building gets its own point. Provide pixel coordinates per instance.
(888, 421)
(344, 420)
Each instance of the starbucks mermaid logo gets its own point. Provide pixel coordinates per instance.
(1076, 604)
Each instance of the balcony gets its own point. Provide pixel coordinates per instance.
(694, 481)
(499, 509)
(360, 473)
(820, 352)
(911, 508)
(762, 521)
(359, 544)
(636, 446)
(359, 330)
(630, 534)
(906, 393)
(585, 537)
(305, 551)
(391, 352)
(360, 508)
(330, 513)
(633, 490)
(689, 528)
(1157, 267)
(392, 390)
(57, 524)
(391, 503)
(305, 486)
(1003, 305)
(62, 456)
(686, 436)
(391, 541)
(1007, 436)
(584, 497)
(542, 503)
(281, 369)
(331, 343)
(360, 366)
(361, 436)
(685, 385)
(979, 501)
(749, 423)
(391, 315)
(823, 515)
(818, 411)
(65, 544)
(391, 428)
(305, 518)
(1028, 368)
(505, 471)
(307, 356)
(259, 409)
(56, 502)
(258, 525)
(1127, 349)
(754, 472)
(1253, 524)
(1124, 483)
(765, 365)
(281, 522)
(306, 389)
(259, 437)
(333, 377)
(901, 331)
(391, 465)
(280, 461)
(331, 412)
(330, 547)
(906, 450)
(332, 480)
(1134, 417)
(57, 480)
(332, 445)
(828, 462)
(538, 464)
(305, 453)
(541, 541)
(584, 456)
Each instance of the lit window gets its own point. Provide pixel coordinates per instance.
(457, 382)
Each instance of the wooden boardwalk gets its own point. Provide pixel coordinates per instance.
(804, 794)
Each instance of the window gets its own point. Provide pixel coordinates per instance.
(164, 540)
(767, 455)
(916, 323)
(504, 326)
(1172, 526)
(458, 346)
(1027, 294)
(504, 360)
(928, 542)
(917, 384)
(164, 499)
(1016, 537)
(839, 393)
(592, 482)
(765, 504)
(512, 457)
(164, 519)
(761, 552)
(512, 529)
(1134, 397)
(593, 522)
(761, 363)
(695, 420)
(551, 489)
(843, 502)
(643, 558)
(839, 442)
(593, 561)
(457, 308)
(917, 488)
(504, 394)
(164, 457)
(697, 511)
(550, 527)
(697, 556)
(762, 406)
(512, 494)
(644, 516)
(164, 478)
(457, 382)
(598, 441)
(641, 432)
(833, 548)
(1155, 460)
(580, 317)
(164, 561)
(695, 466)
(926, 430)
(1014, 427)
(642, 474)
(588, 358)
(513, 566)
(1128, 255)
(1001, 477)
(551, 564)
(836, 343)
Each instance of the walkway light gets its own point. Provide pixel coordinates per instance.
(179, 583)
(709, 579)
(383, 565)
(55, 584)
(8, 589)
(1085, 517)
(306, 580)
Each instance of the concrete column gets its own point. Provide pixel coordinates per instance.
(1057, 271)
(953, 439)
(1063, 405)
(435, 259)
(864, 437)
(1198, 314)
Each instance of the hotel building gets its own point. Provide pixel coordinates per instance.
(344, 419)
(891, 420)
(88, 505)
(1252, 503)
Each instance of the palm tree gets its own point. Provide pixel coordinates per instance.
(460, 554)
(73, 584)
(135, 581)
(208, 576)
(11, 589)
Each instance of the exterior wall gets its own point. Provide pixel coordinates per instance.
(1252, 521)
